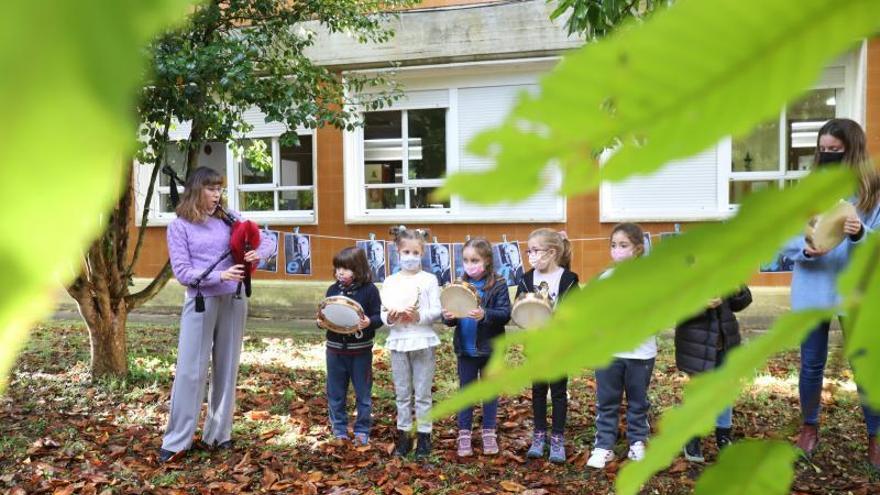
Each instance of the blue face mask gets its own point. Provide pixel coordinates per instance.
(410, 262)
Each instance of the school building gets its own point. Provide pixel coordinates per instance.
(461, 65)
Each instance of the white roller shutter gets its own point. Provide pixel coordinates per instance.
(485, 107)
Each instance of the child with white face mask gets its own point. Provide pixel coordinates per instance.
(550, 256)
(412, 341)
(629, 373)
(473, 339)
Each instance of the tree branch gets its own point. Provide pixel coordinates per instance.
(157, 165)
(157, 284)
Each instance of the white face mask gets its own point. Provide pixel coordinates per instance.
(410, 262)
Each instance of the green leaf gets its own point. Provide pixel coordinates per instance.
(750, 466)
(649, 294)
(860, 287)
(708, 394)
(672, 87)
(67, 130)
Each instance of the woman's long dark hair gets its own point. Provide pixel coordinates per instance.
(855, 155)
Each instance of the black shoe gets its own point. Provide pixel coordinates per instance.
(693, 451)
(722, 438)
(224, 445)
(166, 455)
(404, 443)
(423, 445)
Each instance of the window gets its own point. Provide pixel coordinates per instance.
(780, 152)
(213, 155)
(404, 158)
(402, 154)
(276, 184)
(283, 182)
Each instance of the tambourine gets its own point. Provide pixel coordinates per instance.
(824, 232)
(533, 309)
(401, 295)
(459, 298)
(341, 314)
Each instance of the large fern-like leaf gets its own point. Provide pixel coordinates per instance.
(708, 394)
(860, 287)
(649, 294)
(750, 466)
(672, 87)
(67, 93)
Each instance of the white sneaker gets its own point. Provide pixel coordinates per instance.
(600, 457)
(637, 451)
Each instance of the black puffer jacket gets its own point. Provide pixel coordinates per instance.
(698, 340)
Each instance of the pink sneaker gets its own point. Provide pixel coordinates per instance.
(464, 444)
(490, 442)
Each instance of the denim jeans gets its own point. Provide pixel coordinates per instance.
(469, 370)
(341, 369)
(814, 354)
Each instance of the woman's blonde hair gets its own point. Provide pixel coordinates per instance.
(855, 155)
(190, 207)
(551, 239)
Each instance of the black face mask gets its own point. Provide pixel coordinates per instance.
(826, 157)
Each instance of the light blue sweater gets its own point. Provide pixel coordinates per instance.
(814, 281)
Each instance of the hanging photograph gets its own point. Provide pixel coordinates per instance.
(437, 260)
(780, 264)
(647, 240)
(375, 251)
(508, 262)
(270, 264)
(458, 262)
(393, 259)
(297, 254)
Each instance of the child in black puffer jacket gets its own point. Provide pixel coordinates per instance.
(701, 343)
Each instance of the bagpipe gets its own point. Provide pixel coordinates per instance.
(244, 237)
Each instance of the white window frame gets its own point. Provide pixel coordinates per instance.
(407, 184)
(233, 164)
(448, 78)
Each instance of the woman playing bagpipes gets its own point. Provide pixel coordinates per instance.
(212, 253)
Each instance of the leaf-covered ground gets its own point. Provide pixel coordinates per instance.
(61, 433)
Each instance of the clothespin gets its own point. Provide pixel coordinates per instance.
(677, 228)
(372, 236)
(296, 230)
(467, 237)
(435, 240)
(266, 226)
(504, 238)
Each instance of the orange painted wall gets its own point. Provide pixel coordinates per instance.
(583, 211)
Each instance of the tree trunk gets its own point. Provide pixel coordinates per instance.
(101, 290)
(107, 339)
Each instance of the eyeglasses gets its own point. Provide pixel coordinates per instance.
(536, 251)
(216, 189)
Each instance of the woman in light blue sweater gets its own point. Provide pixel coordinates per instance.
(813, 284)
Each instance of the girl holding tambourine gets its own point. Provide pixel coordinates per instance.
(813, 283)
(210, 332)
(473, 338)
(350, 357)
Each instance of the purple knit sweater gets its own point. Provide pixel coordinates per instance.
(193, 247)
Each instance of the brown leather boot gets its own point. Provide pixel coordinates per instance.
(808, 438)
(874, 452)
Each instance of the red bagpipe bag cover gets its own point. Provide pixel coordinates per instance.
(244, 233)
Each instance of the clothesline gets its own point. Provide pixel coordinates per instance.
(355, 239)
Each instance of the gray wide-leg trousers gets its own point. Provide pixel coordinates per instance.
(213, 336)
